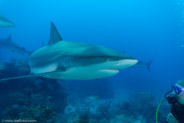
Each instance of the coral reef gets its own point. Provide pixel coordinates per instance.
(137, 108)
(101, 88)
(46, 101)
(37, 99)
(122, 119)
(142, 104)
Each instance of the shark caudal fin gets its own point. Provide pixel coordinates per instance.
(148, 65)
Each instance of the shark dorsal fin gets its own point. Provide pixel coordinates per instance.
(54, 35)
(9, 38)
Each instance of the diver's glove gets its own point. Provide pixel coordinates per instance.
(171, 118)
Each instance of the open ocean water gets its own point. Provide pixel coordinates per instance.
(152, 31)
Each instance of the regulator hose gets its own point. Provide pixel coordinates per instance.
(165, 97)
(159, 108)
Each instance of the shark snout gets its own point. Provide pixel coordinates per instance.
(111, 68)
(117, 65)
(125, 63)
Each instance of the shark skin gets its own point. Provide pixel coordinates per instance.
(78, 61)
(8, 44)
(5, 23)
(75, 61)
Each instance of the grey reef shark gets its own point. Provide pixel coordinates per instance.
(4, 22)
(8, 44)
(74, 60)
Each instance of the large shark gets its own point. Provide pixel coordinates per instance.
(75, 61)
(7, 43)
(4, 22)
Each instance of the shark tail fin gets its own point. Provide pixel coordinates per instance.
(19, 77)
(148, 65)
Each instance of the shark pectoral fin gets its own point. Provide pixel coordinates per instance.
(23, 77)
(54, 35)
(31, 76)
(20, 77)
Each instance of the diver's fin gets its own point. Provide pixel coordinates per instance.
(54, 35)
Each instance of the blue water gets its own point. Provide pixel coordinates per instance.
(145, 29)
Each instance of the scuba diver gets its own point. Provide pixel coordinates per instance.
(175, 97)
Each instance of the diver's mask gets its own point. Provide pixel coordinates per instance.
(175, 91)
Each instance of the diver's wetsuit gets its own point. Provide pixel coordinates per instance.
(177, 109)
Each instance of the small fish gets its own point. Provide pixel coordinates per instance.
(93, 97)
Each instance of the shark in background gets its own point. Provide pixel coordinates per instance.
(2, 65)
(4, 22)
(75, 61)
(8, 44)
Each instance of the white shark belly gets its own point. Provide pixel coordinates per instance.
(82, 73)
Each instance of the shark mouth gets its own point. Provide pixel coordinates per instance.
(110, 70)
